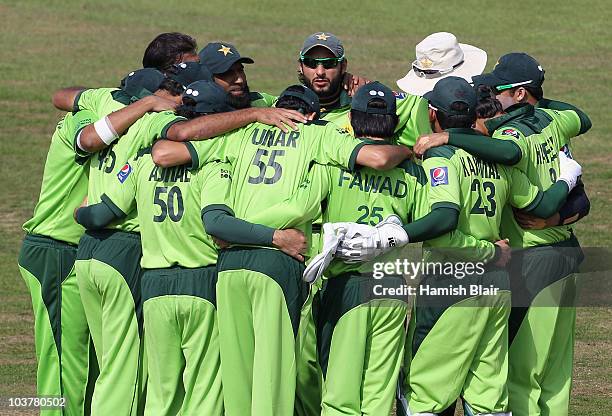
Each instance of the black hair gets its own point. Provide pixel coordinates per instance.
(167, 49)
(374, 125)
(488, 106)
(172, 86)
(449, 121)
(187, 109)
(294, 103)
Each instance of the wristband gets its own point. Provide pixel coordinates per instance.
(105, 130)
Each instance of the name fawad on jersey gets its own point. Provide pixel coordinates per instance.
(372, 183)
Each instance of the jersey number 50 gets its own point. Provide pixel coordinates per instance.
(173, 208)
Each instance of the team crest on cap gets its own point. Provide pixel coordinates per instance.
(124, 172)
(425, 62)
(510, 132)
(439, 176)
(322, 36)
(225, 50)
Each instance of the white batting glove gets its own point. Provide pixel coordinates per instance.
(386, 236)
(570, 170)
(331, 238)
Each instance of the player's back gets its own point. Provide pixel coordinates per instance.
(110, 164)
(64, 183)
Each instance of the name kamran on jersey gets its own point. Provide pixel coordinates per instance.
(472, 166)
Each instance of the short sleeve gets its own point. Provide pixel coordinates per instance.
(215, 149)
(413, 119)
(334, 147)
(122, 196)
(216, 182)
(443, 183)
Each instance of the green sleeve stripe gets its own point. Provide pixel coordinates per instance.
(170, 124)
(414, 170)
(536, 201)
(219, 207)
(75, 104)
(195, 160)
(111, 205)
(585, 122)
(445, 152)
(353, 158)
(446, 205)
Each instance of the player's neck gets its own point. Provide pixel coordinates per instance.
(331, 101)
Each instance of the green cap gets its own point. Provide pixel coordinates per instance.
(218, 57)
(142, 82)
(371, 91)
(326, 40)
(303, 93)
(186, 73)
(452, 90)
(513, 70)
(208, 96)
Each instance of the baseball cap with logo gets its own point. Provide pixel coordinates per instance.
(452, 90)
(142, 82)
(219, 57)
(208, 97)
(513, 70)
(326, 40)
(303, 93)
(374, 90)
(187, 72)
(440, 55)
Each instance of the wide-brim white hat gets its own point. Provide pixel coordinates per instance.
(438, 56)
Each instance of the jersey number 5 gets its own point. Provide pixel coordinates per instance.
(278, 169)
(489, 189)
(171, 209)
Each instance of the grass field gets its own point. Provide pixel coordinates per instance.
(50, 44)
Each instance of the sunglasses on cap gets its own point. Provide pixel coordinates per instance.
(509, 86)
(432, 73)
(328, 63)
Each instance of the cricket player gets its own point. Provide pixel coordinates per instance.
(46, 263)
(108, 270)
(179, 258)
(268, 165)
(168, 49)
(321, 66)
(541, 349)
(478, 191)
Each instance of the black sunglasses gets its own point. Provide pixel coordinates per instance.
(328, 63)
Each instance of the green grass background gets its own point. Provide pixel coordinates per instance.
(50, 44)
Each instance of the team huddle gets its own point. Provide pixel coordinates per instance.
(202, 249)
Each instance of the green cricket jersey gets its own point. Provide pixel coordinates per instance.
(479, 190)
(105, 164)
(365, 196)
(169, 202)
(102, 101)
(269, 165)
(540, 134)
(261, 99)
(64, 183)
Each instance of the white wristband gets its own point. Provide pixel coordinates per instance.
(78, 141)
(105, 130)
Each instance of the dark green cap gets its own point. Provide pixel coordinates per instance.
(451, 90)
(325, 39)
(218, 57)
(513, 70)
(208, 96)
(142, 82)
(374, 90)
(188, 72)
(303, 93)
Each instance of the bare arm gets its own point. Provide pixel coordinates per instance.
(121, 120)
(166, 153)
(64, 99)
(382, 157)
(211, 125)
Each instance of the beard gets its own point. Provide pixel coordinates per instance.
(328, 93)
(240, 101)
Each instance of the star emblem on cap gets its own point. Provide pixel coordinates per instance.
(426, 62)
(225, 50)
(322, 36)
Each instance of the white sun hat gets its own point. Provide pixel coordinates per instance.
(438, 56)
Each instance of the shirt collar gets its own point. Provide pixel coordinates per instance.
(516, 111)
